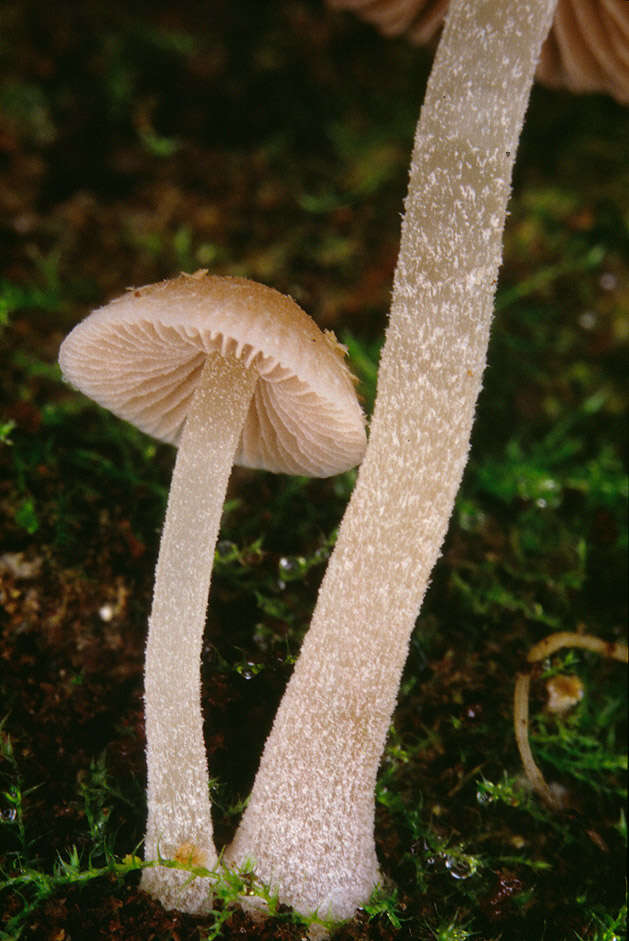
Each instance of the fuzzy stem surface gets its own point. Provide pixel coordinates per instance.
(308, 826)
(179, 821)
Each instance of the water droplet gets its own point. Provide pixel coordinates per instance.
(292, 565)
(106, 612)
(608, 281)
(460, 867)
(587, 320)
(248, 670)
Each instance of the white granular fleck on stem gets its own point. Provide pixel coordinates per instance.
(308, 827)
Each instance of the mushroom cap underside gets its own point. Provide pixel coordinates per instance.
(587, 49)
(141, 356)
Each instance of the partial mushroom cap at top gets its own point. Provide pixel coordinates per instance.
(420, 20)
(587, 49)
(141, 357)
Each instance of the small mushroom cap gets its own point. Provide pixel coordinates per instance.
(141, 356)
(587, 49)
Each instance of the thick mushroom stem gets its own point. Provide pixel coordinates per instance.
(308, 826)
(179, 821)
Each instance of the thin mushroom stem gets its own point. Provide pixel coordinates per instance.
(308, 826)
(549, 645)
(179, 820)
(521, 728)
(545, 648)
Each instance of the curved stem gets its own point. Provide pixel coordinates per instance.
(553, 642)
(521, 728)
(545, 648)
(179, 822)
(308, 826)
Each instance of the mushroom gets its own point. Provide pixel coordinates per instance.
(585, 51)
(562, 696)
(309, 825)
(232, 372)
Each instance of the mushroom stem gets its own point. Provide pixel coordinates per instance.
(554, 642)
(545, 648)
(308, 826)
(521, 727)
(179, 821)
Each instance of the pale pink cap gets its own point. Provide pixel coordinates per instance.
(141, 356)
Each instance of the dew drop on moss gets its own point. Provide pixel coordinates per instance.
(459, 868)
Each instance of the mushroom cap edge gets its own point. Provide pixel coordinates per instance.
(140, 357)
